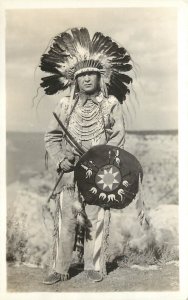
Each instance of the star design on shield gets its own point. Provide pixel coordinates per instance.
(108, 178)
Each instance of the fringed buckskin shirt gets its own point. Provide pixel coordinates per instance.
(91, 120)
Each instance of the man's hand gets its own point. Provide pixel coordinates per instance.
(66, 165)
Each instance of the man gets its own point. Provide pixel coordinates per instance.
(91, 70)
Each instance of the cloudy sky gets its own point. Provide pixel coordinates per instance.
(149, 34)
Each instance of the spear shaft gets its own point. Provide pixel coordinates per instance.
(69, 136)
(71, 141)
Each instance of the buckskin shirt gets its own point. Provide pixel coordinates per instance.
(91, 120)
(86, 124)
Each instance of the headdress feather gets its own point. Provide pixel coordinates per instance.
(73, 52)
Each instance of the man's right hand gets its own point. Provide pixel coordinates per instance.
(66, 165)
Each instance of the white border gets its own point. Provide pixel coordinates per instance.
(2, 156)
(183, 142)
(182, 7)
(19, 4)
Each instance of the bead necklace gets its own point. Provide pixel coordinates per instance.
(86, 122)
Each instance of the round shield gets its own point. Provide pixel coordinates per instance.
(108, 176)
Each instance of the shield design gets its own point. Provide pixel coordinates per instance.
(108, 176)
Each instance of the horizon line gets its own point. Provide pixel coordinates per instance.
(142, 131)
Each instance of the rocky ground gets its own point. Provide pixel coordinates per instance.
(135, 278)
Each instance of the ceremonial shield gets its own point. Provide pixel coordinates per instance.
(108, 176)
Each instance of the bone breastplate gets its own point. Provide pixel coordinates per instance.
(86, 121)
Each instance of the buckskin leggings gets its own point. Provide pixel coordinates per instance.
(65, 238)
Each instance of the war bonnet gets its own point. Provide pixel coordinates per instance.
(74, 52)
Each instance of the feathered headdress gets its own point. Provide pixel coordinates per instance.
(74, 52)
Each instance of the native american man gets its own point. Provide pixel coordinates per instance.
(94, 72)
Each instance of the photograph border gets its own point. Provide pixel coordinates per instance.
(182, 9)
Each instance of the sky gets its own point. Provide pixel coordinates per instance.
(149, 34)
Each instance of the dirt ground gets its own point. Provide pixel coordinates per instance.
(154, 278)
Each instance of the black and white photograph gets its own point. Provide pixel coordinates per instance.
(92, 137)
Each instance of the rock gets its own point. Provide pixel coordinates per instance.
(161, 237)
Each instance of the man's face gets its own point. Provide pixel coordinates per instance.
(88, 82)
